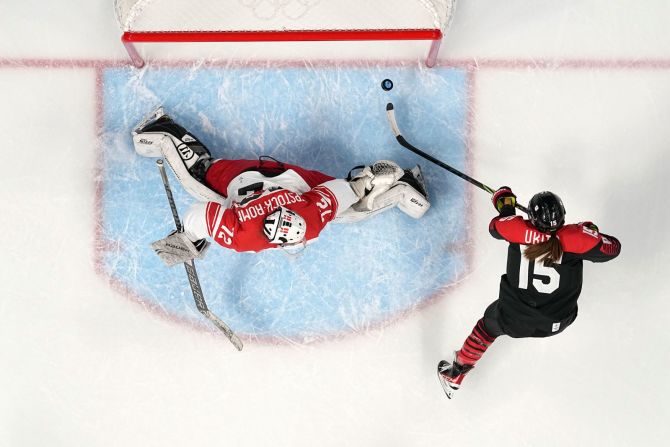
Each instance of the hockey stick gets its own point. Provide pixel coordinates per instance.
(193, 280)
(390, 114)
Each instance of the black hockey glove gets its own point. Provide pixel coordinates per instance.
(504, 201)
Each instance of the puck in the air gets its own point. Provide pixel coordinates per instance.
(387, 84)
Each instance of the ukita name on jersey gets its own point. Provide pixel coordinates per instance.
(240, 227)
(579, 238)
(531, 290)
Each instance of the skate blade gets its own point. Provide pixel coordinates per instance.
(448, 390)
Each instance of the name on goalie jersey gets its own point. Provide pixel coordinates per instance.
(266, 205)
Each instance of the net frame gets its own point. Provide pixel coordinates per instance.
(214, 25)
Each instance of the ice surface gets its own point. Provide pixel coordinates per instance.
(102, 346)
(332, 119)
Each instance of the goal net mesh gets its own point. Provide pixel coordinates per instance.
(281, 15)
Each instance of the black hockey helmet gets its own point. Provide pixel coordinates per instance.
(546, 211)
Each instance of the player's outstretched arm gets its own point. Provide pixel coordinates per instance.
(605, 247)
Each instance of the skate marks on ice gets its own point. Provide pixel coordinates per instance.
(355, 277)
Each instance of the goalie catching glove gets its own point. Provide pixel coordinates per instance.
(374, 180)
(385, 184)
(177, 248)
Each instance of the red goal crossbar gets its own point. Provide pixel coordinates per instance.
(129, 38)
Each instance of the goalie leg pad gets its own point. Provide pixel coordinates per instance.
(412, 202)
(176, 248)
(404, 196)
(159, 136)
(351, 215)
(146, 145)
(147, 135)
(194, 187)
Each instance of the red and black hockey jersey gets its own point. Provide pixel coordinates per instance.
(532, 291)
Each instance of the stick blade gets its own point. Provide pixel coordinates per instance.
(390, 115)
(223, 327)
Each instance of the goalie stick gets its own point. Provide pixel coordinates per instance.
(390, 114)
(193, 280)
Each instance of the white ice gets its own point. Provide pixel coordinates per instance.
(571, 96)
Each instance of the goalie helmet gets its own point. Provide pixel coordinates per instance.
(546, 211)
(284, 226)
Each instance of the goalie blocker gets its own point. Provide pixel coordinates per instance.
(177, 248)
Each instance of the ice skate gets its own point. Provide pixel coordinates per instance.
(159, 136)
(149, 119)
(149, 145)
(451, 375)
(414, 177)
(150, 136)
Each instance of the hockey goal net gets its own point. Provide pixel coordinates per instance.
(146, 21)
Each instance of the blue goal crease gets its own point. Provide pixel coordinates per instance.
(355, 276)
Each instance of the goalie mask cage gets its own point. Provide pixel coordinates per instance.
(176, 21)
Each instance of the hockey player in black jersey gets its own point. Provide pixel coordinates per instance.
(539, 291)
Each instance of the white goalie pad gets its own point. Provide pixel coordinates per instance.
(350, 215)
(409, 200)
(163, 144)
(147, 145)
(176, 248)
(404, 196)
(191, 185)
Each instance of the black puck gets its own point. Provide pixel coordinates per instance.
(387, 84)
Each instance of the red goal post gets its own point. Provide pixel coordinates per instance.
(164, 21)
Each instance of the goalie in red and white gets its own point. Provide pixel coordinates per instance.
(254, 205)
